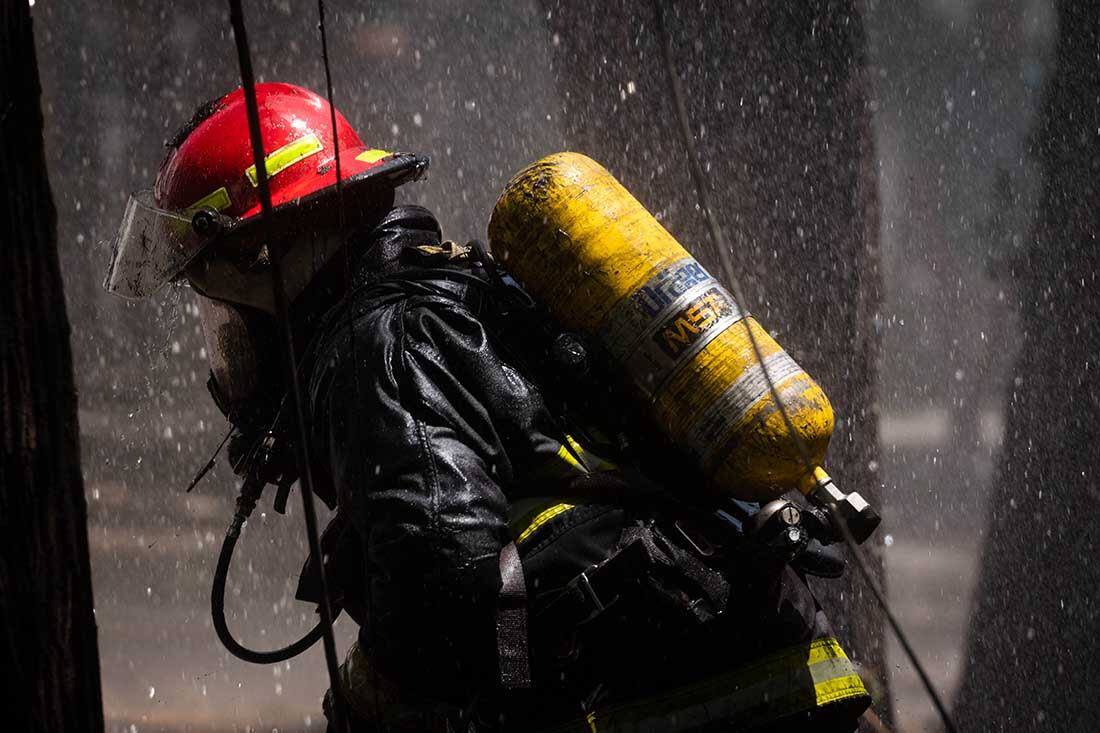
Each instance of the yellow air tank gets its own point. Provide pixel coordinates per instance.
(580, 243)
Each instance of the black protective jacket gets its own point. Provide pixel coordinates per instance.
(426, 433)
(429, 427)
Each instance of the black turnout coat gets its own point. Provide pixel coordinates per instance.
(430, 434)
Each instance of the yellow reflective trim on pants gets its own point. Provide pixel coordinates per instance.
(795, 680)
(279, 160)
(839, 688)
(822, 649)
(542, 518)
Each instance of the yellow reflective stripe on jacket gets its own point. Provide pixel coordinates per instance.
(542, 518)
(795, 680)
(571, 460)
(568, 460)
(587, 459)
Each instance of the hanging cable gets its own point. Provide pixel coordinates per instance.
(719, 239)
(335, 139)
(282, 312)
(345, 246)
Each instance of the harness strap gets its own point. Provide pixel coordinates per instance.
(515, 667)
(710, 583)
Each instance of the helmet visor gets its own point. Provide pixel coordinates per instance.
(151, 248)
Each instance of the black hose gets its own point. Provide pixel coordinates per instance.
(217, 611)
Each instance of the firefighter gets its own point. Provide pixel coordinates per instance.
(514, 562)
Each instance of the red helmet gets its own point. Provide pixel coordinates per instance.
(210, 169)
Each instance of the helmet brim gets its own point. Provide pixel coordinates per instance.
(360, 171)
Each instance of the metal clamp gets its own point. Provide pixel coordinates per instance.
(589, 592)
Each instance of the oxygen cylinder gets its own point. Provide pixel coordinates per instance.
(576, 240)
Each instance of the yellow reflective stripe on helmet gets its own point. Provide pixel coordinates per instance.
(216, 200)
(795, 680)
(286, 156)
(542, 518)
(372, 156)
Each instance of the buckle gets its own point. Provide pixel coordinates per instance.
(588, 591)
(695, 538)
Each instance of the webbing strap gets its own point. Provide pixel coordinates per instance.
(515, 668)
(710, 582)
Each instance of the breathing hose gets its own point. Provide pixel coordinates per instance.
(246, 502)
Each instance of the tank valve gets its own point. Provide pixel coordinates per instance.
(861, 517)
(778, 527)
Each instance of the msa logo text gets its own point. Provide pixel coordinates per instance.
(685, 327)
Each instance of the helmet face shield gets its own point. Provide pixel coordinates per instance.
(242, 346)
(152, 247)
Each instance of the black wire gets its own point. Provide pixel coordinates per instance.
(719, 239)
(209, 464)
(282, 312)
(335, 137)
(346, 249)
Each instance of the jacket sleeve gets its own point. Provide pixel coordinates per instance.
(423, 424)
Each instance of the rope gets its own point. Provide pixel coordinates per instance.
(718, 237)
(282, 313)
